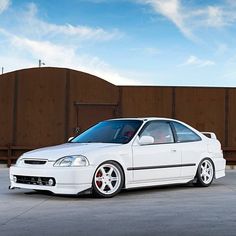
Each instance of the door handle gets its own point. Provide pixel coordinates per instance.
(173, 150)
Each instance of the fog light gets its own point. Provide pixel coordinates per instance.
(50, 182)
(39, 181)
(14, 179)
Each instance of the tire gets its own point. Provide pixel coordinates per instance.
(108, 180)
(205, 173)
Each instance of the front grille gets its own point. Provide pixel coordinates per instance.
(35, 162)
(46, 181)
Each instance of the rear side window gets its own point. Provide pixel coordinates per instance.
(184, 134)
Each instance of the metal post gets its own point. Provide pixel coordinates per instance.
(2, 69)
(41, 63)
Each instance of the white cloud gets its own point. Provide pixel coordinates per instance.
(26, 52)
(215, 17)
(83, 32)
(195, 61)
(172, 10)
(4, 4)
(211, 16)
(187, 18)
(31, 24)
(32, 38)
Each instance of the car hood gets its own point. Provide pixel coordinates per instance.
(54, 152)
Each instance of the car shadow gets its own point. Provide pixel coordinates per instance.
(125, 192)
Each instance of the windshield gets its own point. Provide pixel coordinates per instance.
(111, 131)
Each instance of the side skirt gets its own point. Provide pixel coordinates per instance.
(149, 183)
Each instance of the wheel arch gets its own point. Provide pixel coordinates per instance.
(203, 158)
(118, 163)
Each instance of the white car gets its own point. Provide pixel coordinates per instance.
(122, 153)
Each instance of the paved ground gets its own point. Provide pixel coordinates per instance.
(176, 210)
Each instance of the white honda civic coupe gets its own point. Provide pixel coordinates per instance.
(121, 154)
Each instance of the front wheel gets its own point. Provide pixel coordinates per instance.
(205, 173)
(108, 180)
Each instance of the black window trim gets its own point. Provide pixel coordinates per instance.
(175, 133)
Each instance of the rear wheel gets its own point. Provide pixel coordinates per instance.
(108, 180)
(205, 173)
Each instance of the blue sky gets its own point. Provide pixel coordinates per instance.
(135, 42)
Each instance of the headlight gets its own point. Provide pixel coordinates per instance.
(72, 161)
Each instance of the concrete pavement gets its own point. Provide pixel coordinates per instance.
(173, 210)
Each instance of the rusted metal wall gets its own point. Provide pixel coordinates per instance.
(231, 141)
(40, 107)
(203, 108)
(230, 125)
(6, 112)
(6, 108)
(45, 106)
(146, 101)
(90, 100)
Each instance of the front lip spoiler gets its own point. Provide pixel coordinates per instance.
(11, 188)
(86, 191)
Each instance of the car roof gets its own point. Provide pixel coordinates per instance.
(144, 118)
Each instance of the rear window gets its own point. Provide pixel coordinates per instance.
(184, 134)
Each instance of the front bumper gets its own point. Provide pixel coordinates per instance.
(69, 180)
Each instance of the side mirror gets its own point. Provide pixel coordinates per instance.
(69, 139)
(145, 140)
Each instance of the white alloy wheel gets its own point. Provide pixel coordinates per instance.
(108, 179)
(205, 173)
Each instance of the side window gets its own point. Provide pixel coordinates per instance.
(184, 134)
(160, 131)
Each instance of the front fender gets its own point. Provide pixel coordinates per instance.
(122, 157)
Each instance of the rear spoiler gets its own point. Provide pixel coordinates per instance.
(209, 135)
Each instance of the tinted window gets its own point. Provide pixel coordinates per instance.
(113, 131)
(184, 134)
(160, 131)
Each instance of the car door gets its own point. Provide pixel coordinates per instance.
(191, 147)
(159, 161)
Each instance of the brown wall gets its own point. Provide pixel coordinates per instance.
(6, 108)
(146, 101)
(87, 89)
(45, 106)
(40, 107)
(203, 108)
(231, 118)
